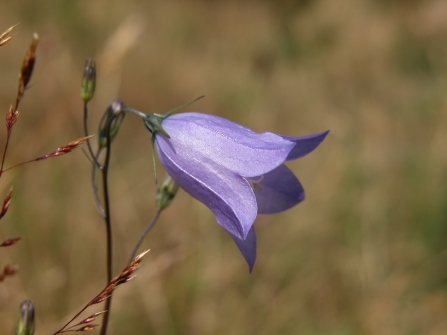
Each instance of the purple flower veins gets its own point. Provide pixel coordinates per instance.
(234, 171)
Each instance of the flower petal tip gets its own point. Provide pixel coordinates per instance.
(247, 247)
(304, 144)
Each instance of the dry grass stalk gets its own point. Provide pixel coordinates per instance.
(64, 149)
(27, 69)
(8, 271)
(6, 203)
(87, 328)
(11, 118)
(58, 152)
(10, 241)
(4, 38)
(125, 275)
(25, 76)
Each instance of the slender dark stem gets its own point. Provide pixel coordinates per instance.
(93, 156)
(143, 235)
(96, 198)
(104, 211)
(17, 165)
(105, 170)
(19, 97)
(8, 135)
(88, 157)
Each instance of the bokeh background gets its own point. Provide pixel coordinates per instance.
(366, 253)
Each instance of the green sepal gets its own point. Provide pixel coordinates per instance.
(153, 124)
(166, 192)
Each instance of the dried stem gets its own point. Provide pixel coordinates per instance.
(8, 270)
(56, 153)
(11, 119)
(26, 70)
(25, 76)
(9, 242)
(125, 275)
(6, 203)
(4, 38)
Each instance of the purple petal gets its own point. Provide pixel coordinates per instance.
(228, 144)
(247, 247)
(304, 144)
(228, 195)
(277, 191)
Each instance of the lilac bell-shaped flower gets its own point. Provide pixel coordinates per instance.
(236, 172)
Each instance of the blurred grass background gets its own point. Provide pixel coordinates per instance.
(366, 253)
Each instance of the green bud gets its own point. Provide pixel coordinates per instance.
(25, 322)
(111, 120)
(88, 80)
(166, 192)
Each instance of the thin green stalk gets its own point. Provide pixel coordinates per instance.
(93, 156)
(143, 235)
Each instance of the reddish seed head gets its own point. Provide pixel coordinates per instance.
(10, 242)
(6, 203)
(9, 270)
(11, 118)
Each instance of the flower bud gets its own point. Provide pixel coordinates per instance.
(25, 322)
(166, 192)
(111, 121)
(88, 80)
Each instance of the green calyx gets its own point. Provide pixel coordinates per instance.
(153, 123)
(166, 192)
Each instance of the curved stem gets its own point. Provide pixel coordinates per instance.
(134, 111)
(94, 157)
(62, 330)
(143, 235)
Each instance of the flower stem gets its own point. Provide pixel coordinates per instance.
(104, 211)
(92, 155)
(134, 111)
(96, 197)
(105, 170)
(143, 235)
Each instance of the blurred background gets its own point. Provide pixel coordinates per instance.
(366, 253)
